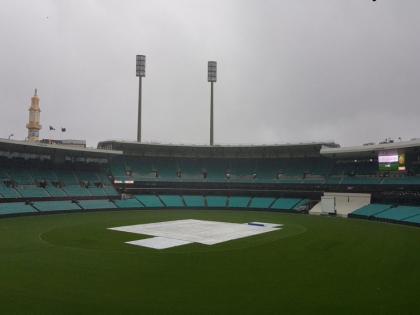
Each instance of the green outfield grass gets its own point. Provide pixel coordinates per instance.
(71, 264)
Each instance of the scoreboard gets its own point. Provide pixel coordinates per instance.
(391, 161)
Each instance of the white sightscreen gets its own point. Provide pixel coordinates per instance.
(327, 204)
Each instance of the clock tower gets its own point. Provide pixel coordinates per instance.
(33, 125)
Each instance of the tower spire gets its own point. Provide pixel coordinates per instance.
(34, 125)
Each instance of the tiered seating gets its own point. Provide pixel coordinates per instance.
(216, 201)
(67, 177)
(314, 179)
(128, 204)
(400, 213)
(21, 176)
(15, 208)
(47, 206)
(361, 180)
(402, 180)
(334, 180)
(76, 190)
(96, 204)
(103, 178)
(216, 169)
(267, 170)
(303, 204)
(110, 191)
(118, 170)
(31, 191)
(96, 191)
(8, 192)
(174, 201)
(383, 212)
(87, 176)
(293, 167)
(370, 210)
(166, 168)
(191, 170)
(285, 203)
(41, 174)
(296, 171)
(238, 202)
(194, 201)
(261, 202)
(55, 191)
(285, 179)
(150, 201)
(242, 169)
(142, 169)
(415, 219)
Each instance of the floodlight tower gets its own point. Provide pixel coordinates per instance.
(140, 73)
(211, 77)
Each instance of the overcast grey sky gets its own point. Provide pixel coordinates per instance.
(289, 71)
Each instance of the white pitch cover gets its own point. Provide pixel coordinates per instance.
(173, 233)
(159, 242)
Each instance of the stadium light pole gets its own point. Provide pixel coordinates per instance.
(140, 73)
(211, 77)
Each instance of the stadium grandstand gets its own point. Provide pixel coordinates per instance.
(376, 182)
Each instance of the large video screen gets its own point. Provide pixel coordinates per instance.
(391, 161)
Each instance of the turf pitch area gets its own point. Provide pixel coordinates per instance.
(72, 264)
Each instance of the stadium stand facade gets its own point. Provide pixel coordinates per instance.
(39, 178)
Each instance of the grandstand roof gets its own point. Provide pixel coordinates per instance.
(25, 147)
(235, 151)
(371, 149)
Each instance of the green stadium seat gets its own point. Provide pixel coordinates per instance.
(415, 219)
(238, 202)
(242, 170)
(110, 191)
(47, 206)
(118, 170)
(174, 201)
(142, 169)
(32, 192)
(216, 201)
(167, 169)
(261, 202)
(290, 180)
(41, 174)
(359, 180)
(15, 208)
(191, 170)
(8, 192)
(399, 213)
(87, 176)
(216, 169)
(55, 191)
(76, 191)
(96, 204)
(402, 180)
(302, 205)
(267, 170)
(67, 177)
(96, 191)
(370, 210)
(150, 201)
(128, 204)
(194, 201)
(285, 203)
(21, 176)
